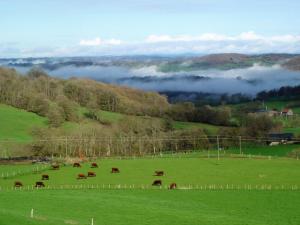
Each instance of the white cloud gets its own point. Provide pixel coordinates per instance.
(113, 42)
(214, 37)
(207, 43)
(98, 42)
(186, 38)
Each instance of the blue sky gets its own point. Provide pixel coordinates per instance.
(90, 27)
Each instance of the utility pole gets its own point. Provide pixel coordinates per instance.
(218, 146)
(66, 146)
(240, 140)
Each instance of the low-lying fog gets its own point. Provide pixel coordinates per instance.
(248, 81)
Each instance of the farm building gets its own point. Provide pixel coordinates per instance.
(287, 112)
(271, 113)
(281, 136)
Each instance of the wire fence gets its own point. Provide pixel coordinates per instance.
(18, 172)
(138, 146)
(201, 187)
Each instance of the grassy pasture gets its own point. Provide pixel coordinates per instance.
(17, 124)
(183, 171)
(277, 150)
(280, 104)
(146, 207)
(154, 206)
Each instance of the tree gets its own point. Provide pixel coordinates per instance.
(55, 116)
(259, 126)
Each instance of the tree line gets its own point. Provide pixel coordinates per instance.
(60, 99)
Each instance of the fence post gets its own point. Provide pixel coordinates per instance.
(218, 146)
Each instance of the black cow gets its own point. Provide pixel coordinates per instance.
(115, 170)
(55, 167)
(157, 183)
(39, 184)
(76, 165)
(18, 184)
(159, 173)
(45, 177)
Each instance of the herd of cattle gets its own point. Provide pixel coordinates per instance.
(40, 184)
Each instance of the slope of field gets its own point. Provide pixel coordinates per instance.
(17, 124)
(114, 117)
(212, 129)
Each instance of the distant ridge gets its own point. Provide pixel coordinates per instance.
(293, 64)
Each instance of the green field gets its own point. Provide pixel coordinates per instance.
(146, 207)
(154, 205)
(210, 191)
(279, 150)
(281, 104)
(17, 124)
(183, 171)
(295, 130)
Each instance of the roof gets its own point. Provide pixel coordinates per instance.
(285, 136)
(286, 110)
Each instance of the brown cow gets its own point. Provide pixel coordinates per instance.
(157, 183)
(39, 184)
(91, 174)
(159, 173)
(45, 177)
(76, 165)
(81, 176)
(115, 170)
(94, 165)
(173, 186)
(55, 167)
(18, 184)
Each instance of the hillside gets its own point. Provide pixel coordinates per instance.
(289, 124)
(293, 64)
(49, 96)
(17, 124)
(225, 61)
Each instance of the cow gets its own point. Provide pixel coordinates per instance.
(91, 174)
(55, 167)
(39, 184)
(94, 165)
(81, 176)
(18, 184)
(173, 186)
(159, 173)
(115, 170)
(76, 165)
(45, 177)
(157, 183)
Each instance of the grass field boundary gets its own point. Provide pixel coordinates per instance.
(191, 154)
(206, 187)
(16, 173)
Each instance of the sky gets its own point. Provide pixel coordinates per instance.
(38, 28)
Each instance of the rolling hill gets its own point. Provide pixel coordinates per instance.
(17, 124)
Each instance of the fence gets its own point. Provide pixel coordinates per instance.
(203, 187)
(15, 173)
(137, 146)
